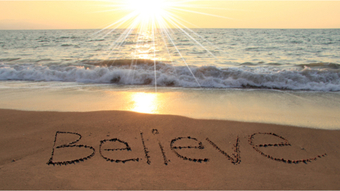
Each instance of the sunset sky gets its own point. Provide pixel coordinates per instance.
(232, 14)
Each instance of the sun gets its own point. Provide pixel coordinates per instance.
(149, 10)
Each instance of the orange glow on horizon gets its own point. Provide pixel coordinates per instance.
(243, 14)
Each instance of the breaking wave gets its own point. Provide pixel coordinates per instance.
(129, 72)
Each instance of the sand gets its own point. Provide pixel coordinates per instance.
(126, 150)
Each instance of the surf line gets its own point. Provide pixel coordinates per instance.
(191, 143)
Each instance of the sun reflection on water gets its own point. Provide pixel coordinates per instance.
(144, 102)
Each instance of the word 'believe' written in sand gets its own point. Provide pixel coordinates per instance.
(176, 144)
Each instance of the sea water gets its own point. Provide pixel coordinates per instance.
(288, 76)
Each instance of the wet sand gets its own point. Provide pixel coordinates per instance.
(296, 108)
(126, 150)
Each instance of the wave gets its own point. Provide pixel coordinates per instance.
(8, 59)
(322, 65)
(67, 45)
(142, 72)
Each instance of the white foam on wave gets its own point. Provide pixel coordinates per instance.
(179, 76)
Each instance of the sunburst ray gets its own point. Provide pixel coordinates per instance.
(157, 18)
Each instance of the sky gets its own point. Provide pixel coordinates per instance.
(227, 14)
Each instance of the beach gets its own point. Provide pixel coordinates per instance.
(127, 150)
(188, 109)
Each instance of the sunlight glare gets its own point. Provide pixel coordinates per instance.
(144, 102)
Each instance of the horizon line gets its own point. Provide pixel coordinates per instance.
(171, 28)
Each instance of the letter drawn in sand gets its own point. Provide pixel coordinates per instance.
(282, 144)
(147, 156)
(69, 145)
(126, 148)
(200, 146)
(235, 158)
(155, 132)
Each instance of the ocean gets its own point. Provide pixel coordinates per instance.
(283, 76)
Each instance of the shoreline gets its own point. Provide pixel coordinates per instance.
(126, 150)
(304, 109)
